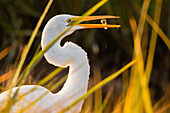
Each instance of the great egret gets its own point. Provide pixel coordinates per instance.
(68, 55)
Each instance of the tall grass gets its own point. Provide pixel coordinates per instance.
(136, 94)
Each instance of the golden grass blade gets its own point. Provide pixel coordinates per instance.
(163, 109)
(160, 32)
(50, 76)
(18, 70)
(128, 99)
(140, 65)
(98, 93)
(159, 103)
(153, 40)
(146, 97)
(142, 18)
(144, 42)
(142, 76)
(88, 103)
(118, 106)
(13, 83)
(54, 86)
(5, 52)
(20, 54)
(133, 90)
(100, 84)
(106, 99)
(139, 70)
(157, 28)
(7, 76)
(38, 49)
(125, 83)
(132, 94)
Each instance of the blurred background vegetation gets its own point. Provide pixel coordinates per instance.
(108, 50)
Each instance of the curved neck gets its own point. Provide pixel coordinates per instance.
(69, 55)
(77, 82)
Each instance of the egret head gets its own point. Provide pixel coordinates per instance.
(59, 23)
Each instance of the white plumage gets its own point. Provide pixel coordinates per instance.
(69, 55)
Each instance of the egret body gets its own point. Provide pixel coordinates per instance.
(70, 55)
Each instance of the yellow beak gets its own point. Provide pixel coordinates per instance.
(102, 25)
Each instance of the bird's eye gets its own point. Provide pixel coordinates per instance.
(69, 20)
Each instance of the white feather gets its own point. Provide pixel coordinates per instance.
(69, 55)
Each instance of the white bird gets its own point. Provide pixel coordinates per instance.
(68, 55)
